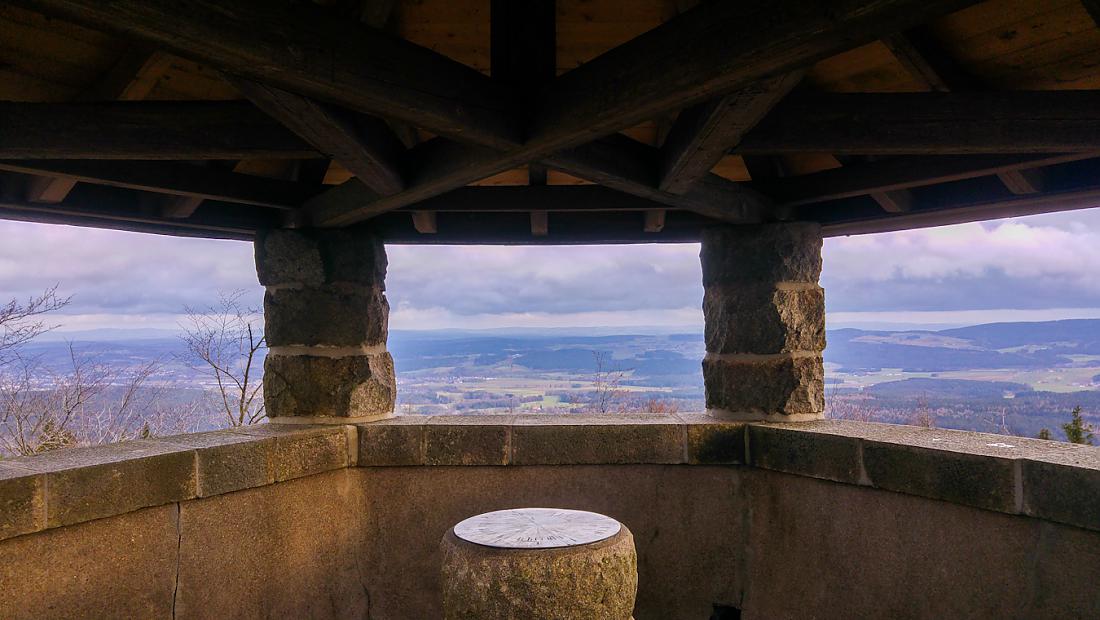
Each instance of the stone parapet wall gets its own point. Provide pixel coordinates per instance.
(1042, 479)
(326, 323)
(344, 520)
(764, 322)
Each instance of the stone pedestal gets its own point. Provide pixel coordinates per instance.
(578, 581)
(326, 316)
(765, 322)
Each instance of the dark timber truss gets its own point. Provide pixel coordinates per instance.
(417, 130)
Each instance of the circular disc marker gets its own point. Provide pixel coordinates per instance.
(536, 528)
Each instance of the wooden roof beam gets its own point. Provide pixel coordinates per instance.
(898, 173)
(190, 130)
(931, 124)
(365, 145)
(172, 178)
(704, 133)
(322, 55)
(656, 73)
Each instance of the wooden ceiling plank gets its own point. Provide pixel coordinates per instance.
(704, 133)
(1022, 181)
(189, 130)
(898, 173)
(658, 72)
(897, 201)
(322, 56)
(49, 190)
(928, 62)
(425, 222)
(365, 145)
(176, 178)
(931, 124)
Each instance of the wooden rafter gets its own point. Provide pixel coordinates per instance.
(657, 73)
(188, 130)
(704, 133)
(898, 173)
(931, 124)
(365, 145)
(305, 50)
(172, 178)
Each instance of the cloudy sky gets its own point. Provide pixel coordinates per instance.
(1036, 268)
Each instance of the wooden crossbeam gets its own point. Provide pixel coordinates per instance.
(174, 178)
(704, 133)
(629, 166)
(524, 198)
(1022, 181)
(132, 78)
(49, 190)
(898, 173)
(309, 51)
(897, 201)
(107, 207)
(190, 130)
(931, 124)
(365, 145)
(657, 73)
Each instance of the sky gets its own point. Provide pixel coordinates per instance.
(1035, 268)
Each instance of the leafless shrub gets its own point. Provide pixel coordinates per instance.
(224, 339)
(605, 384)
(923, 416)
(22, 322)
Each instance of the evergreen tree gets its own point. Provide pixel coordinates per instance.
(1077, 430)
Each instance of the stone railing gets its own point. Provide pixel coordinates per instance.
(717, 508)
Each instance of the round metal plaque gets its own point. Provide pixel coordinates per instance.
(536, 528)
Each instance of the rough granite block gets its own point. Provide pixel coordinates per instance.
(348, 316)
(761, 319)
(804, 452)
(769, 386)
(978, 480)
(306, 385)
(765, 253)
(468, 440)
(609, 439)
(396, 441)
(22, 501)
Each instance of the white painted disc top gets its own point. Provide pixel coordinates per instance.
(536, 528)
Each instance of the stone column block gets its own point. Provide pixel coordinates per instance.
(355, 386)
(764, 321)
(326, 321)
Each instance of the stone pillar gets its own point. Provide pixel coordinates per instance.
(765, 322)
(325, 316)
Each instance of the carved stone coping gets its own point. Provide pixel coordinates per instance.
(1042, 479)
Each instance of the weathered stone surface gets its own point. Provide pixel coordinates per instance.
(687, 522)
(878, 554)
(766, 253)
(354, 255)
(794, 451)
(285, 550)
(22, 501)
(341, 316)
(288, 257)
(396, 441)
(316, 256)
(711, 441)
(302, 450)
(762, 319)
(581, 439)
(769, 386)
(468, 440)
(120, 567)
(306, 385)
(89, 483)
(963, 478)
(598, 580)
(228, 461)
(1068, 493)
